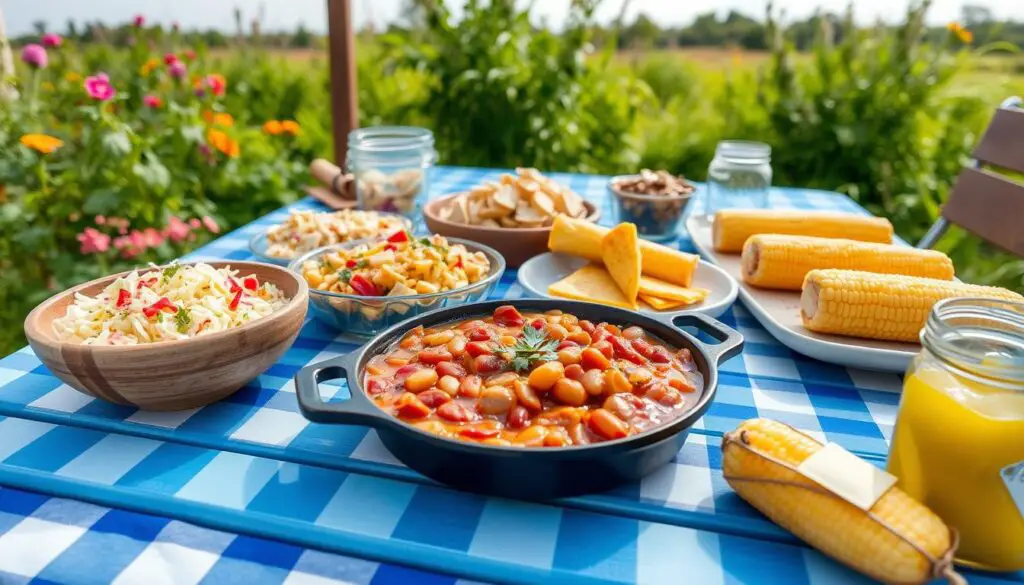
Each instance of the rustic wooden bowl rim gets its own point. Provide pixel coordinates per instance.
(35, 331)
(434, 205)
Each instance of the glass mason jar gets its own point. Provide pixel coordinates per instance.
(958, 446)
(739, 176)
(391, 165)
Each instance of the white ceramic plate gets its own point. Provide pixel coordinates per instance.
(779, 313)
(539, 272)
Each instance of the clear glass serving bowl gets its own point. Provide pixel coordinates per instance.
(367, 316)
(259, 243)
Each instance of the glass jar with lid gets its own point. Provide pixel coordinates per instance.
(958, 445)
(739, 176)
(391, 165)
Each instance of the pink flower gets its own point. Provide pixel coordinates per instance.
(140, 21)
(190, 55)
(152, 237)
(211, 224)
(152, 101)
(170, 58)
(176, 229)
(122, 230)
(99, 88)
(194, 223)
(93, 241)
(52, 40)
(100, 220)
(34, 55)
(177, 69)
(137, 240)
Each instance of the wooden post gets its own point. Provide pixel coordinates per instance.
(344, 104)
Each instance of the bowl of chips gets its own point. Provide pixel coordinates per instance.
(513, 215)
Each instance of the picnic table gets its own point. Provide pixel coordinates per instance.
(248, 491)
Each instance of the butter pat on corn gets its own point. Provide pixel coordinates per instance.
(897, 540)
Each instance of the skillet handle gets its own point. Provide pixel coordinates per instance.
(356, 410)
(730, 341)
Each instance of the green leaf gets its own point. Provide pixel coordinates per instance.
(117, 143)
(182, 320)
(10, 211)
(153, 173)
(102, 201)
(34, 238)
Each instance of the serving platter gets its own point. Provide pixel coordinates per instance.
(779, 312)
(540, 272)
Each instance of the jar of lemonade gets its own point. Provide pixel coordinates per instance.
(958, 446)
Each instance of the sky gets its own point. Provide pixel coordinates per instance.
(288, 14)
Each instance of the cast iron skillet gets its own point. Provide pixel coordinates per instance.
(534, 473)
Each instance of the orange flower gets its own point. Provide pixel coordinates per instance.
(72, 77)
(962, 34)
(222, 142)
(41, 143)
(272, 127)
(291, 127)
(218, 118)
(148, 67)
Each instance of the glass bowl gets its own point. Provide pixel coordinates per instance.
(259, 243)
(656, 216)
(366, 316)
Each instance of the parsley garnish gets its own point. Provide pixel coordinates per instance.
(426, 242)
(345, 275)
(533, 347)
(168, 273)
(362, 263)
(182, 320)
(160, 317)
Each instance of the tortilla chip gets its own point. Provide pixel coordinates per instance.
(652, 287)
(620, 251)
(661, 304)
(591, 283)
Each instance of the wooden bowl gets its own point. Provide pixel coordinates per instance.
(178, 374)
(517, 245)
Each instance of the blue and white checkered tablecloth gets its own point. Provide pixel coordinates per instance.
(253, 464)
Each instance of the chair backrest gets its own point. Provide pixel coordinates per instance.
(987, 203)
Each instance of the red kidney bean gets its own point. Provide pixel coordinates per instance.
(643, 348)
(456, 412)
(478, 348)
(479, 334)
(508, 316)
(450, 369)
(434, 398)
(434, 355)
(574, 372)
(518, 417)
(487, 364)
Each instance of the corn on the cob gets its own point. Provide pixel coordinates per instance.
(782, 261)
(898, 540)
(732, 227)
(879, 306)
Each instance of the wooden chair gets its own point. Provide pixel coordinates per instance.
(983, 202)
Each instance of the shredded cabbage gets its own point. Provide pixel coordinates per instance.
(162, 304)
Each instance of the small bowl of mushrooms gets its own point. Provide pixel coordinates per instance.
(653, 200)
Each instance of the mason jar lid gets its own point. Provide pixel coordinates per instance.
(980, 337)
(744, 150)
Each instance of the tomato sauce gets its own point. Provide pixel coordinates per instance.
(533, 380)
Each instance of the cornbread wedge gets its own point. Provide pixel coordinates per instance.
(591, 283)
(732, 227)
(659, 304)
(581, 238)
(782, 261)
(620, 251)
(897, 540)
(879, 306)
(652, 287)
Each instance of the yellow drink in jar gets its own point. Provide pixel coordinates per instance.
(958, 446)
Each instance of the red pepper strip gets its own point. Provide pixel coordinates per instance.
(363, 286)
(124, 298)
(251, 283)
(234, 302)
(391, 247)
(351, 264)
(149, 282)
(399, 237)
(158, 306)
(459, 264)
(202, 326)
(234, 285)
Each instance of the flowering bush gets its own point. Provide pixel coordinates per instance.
(113, 160)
